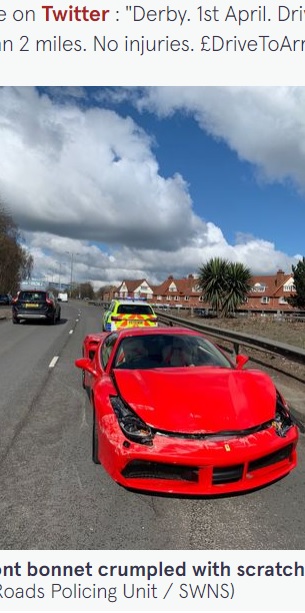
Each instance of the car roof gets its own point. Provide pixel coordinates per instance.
(33, 289)
(132, 301)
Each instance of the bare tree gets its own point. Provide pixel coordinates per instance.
(16, 263)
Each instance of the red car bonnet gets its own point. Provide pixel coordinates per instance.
(195, 399)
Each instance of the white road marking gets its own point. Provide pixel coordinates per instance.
(70, 331)
(53, 361)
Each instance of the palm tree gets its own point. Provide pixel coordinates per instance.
(212, 281)
(224, 284)
(238, 286)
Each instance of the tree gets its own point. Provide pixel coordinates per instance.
(85, 290)
(298, 271)
(224, 285)
(16, 263)
(238, 286)
(212, 282)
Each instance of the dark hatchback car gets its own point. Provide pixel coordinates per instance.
(5, 299)
(34, 305)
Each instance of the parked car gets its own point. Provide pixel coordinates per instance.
(35, 305)
(5, 299)
(129, 314)
(172, 413)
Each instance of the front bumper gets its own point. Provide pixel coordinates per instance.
(201, 467)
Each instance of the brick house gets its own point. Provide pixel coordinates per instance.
(269, 293)
(178, 293)
(138, 288)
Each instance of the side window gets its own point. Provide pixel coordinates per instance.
(107, 347)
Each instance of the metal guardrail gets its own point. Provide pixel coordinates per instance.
(296, 354)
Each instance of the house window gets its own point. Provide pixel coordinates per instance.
(186, 298)
(176, 298)
(289, 288)
(265, 300)
(258, 287)
(168, 297)
(159, 297)
(283, 300)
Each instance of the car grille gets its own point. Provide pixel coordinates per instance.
(138, 469)
(227, 474)
(218, 475)
(272, 458)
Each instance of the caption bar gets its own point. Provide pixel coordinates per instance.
(230, 581)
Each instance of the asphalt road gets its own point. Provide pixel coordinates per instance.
(54, 497)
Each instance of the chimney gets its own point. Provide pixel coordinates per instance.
(280, 278)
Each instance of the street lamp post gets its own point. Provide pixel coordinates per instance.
(59, 276)
(71, 275)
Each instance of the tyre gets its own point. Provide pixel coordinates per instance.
(95, 441)
(52, 320)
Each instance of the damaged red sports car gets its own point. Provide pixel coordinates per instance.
(172, 413)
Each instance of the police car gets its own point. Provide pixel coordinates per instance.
(128, 314)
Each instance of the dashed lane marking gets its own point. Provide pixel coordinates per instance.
(53, 361)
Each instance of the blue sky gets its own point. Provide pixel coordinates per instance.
(154, 181)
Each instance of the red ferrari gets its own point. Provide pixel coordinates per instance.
(173, 414)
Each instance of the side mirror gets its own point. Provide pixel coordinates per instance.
(241, 360)
(86, 364)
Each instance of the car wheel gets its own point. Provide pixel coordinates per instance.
(95, 441)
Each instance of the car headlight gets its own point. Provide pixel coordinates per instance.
(283, 420)
(134, 428)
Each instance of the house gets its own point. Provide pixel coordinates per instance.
(178, 293)
(138, 288)
(270, 292)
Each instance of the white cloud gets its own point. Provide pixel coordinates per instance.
(264, 126)
(86, 180)
(88, 174)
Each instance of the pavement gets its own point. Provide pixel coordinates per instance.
(5, 312)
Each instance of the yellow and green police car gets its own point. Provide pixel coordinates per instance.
(128, 314)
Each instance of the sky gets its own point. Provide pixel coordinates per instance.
(131, 183)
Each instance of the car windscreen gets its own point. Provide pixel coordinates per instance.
(32, 296)
(134, 309)
(168, 350)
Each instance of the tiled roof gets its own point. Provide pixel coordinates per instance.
(133, 284)
(184, 286)
(273, 284)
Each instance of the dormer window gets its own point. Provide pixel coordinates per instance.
(258, 287)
